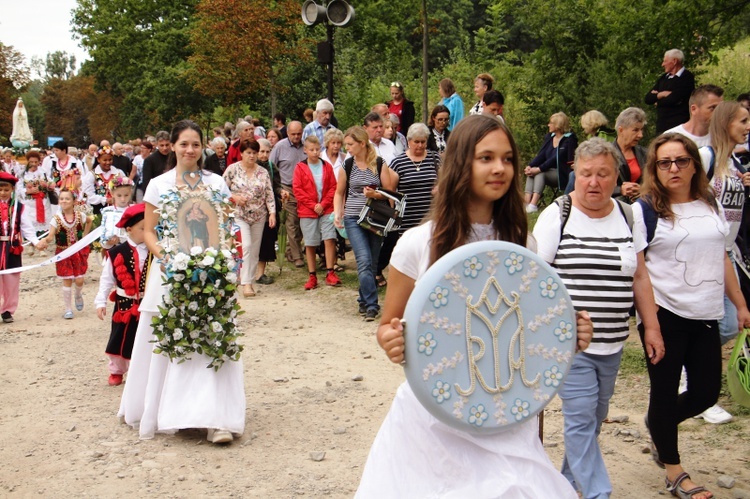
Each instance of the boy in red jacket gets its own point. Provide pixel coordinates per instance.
(314, 185)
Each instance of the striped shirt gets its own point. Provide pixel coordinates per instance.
(596, 260)
(416, 179)
(358, 180)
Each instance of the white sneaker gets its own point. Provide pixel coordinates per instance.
(219, 436)
(715, 415)
(531, 208)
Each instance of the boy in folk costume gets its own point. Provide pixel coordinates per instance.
(12, 227)
(124, 271)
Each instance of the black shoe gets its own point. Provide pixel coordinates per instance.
(264, 279)
(362, 309)
(7, 317)
(370, 315)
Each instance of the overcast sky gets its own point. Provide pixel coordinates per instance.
(50, 30)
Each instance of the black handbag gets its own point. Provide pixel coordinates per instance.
(382, 216)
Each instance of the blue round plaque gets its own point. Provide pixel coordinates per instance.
(490, 333)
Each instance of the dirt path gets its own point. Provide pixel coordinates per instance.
(59, 436)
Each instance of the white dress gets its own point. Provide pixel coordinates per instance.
(30, 204)
(162, 396)
(416, 456)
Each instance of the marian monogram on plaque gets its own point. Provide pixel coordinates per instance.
(490, 334)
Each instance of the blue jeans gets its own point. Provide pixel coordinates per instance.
(585, 402)
(729, 328)
(366, 247)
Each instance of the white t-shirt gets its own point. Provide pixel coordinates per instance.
(386, 150)
(730, 194)
(596, 259)
(411, 256)
(685, 260)
(699, 141)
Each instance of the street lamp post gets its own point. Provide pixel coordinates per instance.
(337, 13)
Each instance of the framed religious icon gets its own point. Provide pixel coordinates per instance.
(490, 335)
(192, 219)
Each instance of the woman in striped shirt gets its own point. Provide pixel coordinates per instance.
(601, 263)
(415, 174)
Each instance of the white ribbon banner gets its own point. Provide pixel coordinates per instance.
(72, 250)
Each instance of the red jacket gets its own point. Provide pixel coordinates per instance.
(303, 187)
(233, 153)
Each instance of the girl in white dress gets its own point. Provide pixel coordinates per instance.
(414, 454)
(163, 396)
(31, 190)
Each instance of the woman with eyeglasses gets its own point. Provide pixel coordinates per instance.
(401, 107)
(439, 133)
(690, 272)
(728, 178)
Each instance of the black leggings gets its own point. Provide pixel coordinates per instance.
(694, 344)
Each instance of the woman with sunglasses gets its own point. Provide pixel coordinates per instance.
(690, 272)
(401, 107)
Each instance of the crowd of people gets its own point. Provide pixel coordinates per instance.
(651, 228)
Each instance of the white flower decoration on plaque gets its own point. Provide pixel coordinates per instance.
(439, 297)
(514, 263)
(520, 409)
(478, 415)
(441, 392)
(472, 266)
(548, 287)
(564, 331)
(427, 343)
(553, 376)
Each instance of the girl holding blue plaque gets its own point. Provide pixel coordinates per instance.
(415, 454)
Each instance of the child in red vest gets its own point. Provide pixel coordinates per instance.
(123, 280)
(12, 227)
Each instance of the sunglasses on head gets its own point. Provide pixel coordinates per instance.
(396, 84)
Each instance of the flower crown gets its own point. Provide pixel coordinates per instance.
(105, 151)
(120, 181)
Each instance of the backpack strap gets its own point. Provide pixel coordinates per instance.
(627, 213)
(650, 218)
(711, 162)
(348, 165)
(564, 203)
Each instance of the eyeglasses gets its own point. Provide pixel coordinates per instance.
(666, 164)
(396, 84)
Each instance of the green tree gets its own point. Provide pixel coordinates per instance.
(577, 55)
(58, 64)
(76, 111)
(239, 47)
(139, 51)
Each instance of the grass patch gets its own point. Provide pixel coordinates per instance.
(633, 361)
